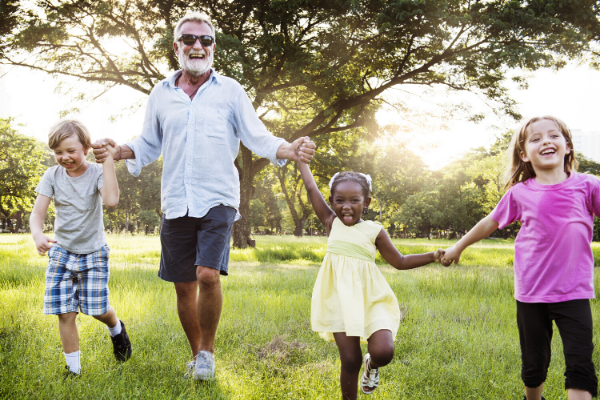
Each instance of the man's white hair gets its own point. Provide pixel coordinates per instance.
(193, 16)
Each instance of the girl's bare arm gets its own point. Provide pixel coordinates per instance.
(480, 231)
(324, 213)
(390, 253)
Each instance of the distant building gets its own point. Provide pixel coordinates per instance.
(587, 143)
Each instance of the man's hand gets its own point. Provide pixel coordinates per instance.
(43, 243)
(452, 255)
(101, 151)
(303, 149)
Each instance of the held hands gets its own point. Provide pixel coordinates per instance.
(43, 243)
(112, 152)
(439, 253)
(303, 149)
(103, 148)
(452, 255)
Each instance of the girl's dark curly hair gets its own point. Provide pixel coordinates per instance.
(353, 177)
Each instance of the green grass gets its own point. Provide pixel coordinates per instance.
(458, 338)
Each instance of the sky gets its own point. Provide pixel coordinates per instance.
(570, 94)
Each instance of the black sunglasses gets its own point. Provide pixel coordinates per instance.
(190, 40)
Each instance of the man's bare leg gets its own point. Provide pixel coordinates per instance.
(210, 304)
(187, 298)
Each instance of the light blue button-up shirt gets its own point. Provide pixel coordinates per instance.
(199, 140)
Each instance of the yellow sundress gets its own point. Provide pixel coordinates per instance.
(350, 294)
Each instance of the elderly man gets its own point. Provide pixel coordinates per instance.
(197, 117)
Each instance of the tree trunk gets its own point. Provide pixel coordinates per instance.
(241, 229)
(299, 225)
(19, 221)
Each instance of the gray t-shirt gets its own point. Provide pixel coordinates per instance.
(78, 226)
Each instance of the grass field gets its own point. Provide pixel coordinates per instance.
(458, 338)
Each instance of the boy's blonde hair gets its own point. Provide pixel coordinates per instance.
(67, 128)
(519, 170)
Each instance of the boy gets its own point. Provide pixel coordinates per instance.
(77, 274)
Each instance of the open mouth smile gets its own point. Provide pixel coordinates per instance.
(548, 152)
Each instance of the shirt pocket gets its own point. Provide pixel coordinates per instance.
(216, 126)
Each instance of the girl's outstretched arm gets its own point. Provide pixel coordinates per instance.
(390, 253)
(480, 231)
(324, 213)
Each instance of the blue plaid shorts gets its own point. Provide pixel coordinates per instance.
(77, 281)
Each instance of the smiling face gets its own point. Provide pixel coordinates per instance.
(196, 59)
(348, 202)
(70, 154)
(545, 146)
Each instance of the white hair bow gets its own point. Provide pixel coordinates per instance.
(333, 179)
(366, 176)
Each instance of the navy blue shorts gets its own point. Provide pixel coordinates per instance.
(187, 242)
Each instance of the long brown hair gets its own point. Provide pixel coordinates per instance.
(519, 170)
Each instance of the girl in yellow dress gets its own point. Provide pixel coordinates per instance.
(351, 300)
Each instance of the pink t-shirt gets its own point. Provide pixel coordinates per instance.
(553, 256)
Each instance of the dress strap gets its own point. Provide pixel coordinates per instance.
(349, 249)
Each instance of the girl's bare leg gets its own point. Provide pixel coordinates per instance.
(577, 394)
(534, 393)
(351, 358)
(381, 348)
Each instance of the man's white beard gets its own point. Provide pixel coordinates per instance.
(195, 67)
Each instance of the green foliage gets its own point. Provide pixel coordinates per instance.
(420, 212)
(20, 169)
(258, 213)
(139, 200)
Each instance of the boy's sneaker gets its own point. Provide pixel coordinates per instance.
(525, 398)
(204, 369)
(121, 344)
(70, 374)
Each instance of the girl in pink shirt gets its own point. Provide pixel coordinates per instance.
(554, 264)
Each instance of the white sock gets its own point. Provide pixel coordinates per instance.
(114, 331)
(73, 361)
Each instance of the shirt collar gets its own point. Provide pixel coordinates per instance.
(214, 75)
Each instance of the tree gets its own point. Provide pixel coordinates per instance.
(139, 200)
(264, 193)
(20, 171)
(258, 213)
(311, 67)
(421, 212)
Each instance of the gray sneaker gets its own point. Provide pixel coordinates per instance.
(189, 369)
(205, 366)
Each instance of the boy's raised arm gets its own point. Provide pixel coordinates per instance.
(36, 223)
(110, 189)
(324, 213)
(480, 231)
